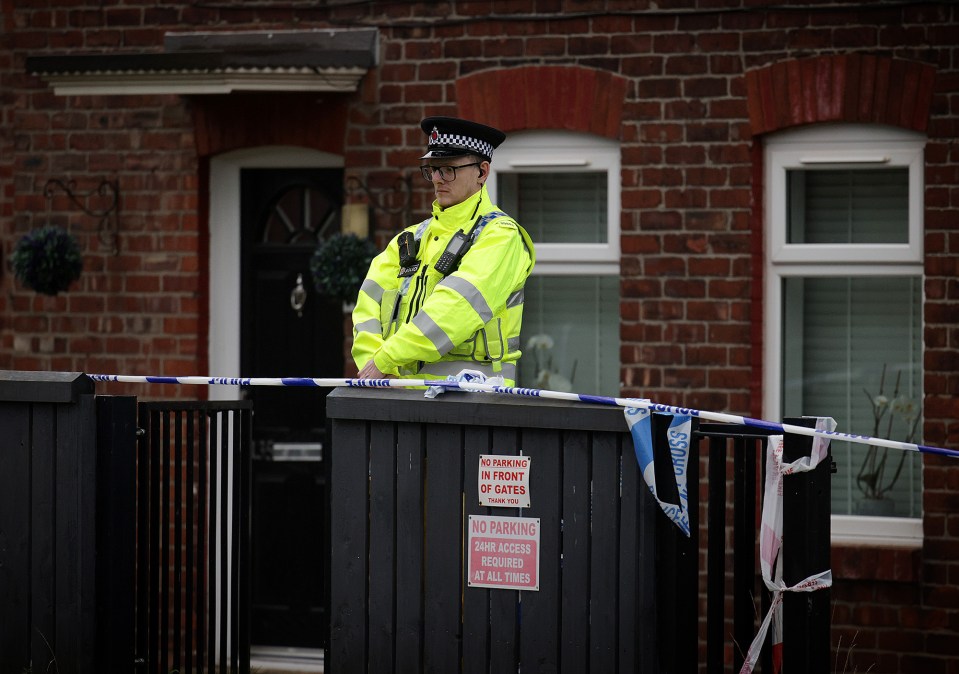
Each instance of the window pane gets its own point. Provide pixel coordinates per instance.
(570, 335)
(557, 207)
(848, 206)
(848, 340)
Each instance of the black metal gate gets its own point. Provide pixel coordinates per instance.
(193, 537)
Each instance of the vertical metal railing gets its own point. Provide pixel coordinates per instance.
(745, 448)
(736, 464)
(193, 537)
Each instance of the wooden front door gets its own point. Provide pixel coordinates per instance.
(288, 330)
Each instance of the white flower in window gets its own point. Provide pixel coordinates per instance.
(873, 480)
(541, 347)
(539, 343)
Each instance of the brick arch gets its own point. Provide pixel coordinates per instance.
(856, 88)
(572, 98)
(238, 121)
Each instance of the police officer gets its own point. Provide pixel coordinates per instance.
(447, 294)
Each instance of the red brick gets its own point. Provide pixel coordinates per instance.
(927, 664)
(683, 378)
(684, 333)
(664, 266)
(641, 288)
(656, 310)
(613, 25)
(497, 48)
(420, 51)
(641, 198)
(660, 133)
(685, 154)
(686, 198)
(660, 88)
(684, 288)
(640, 244)
(720, 289)
(686, 65)
(661, 177)
(712, 266)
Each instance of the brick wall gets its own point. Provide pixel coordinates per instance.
(675, 93)
(138, 310)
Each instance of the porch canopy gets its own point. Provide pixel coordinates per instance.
(219, 63)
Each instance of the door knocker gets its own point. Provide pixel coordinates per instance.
(298, 296)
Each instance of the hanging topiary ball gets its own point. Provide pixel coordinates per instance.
(339, 265)
(47, 260)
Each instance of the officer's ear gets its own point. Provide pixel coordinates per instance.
(483, 171)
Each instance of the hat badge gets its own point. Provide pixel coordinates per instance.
(434, 135)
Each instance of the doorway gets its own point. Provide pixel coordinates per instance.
(287, 329)
(272, 511)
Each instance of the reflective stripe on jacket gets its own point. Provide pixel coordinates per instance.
(471, 317)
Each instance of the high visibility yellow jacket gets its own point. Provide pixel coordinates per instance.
(431, 325)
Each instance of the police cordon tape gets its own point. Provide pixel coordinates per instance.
(474, 387)
(771, 543)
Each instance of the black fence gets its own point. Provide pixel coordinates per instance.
(193, 557)
(619, 586)
(48, 508)
(124, 542)
(735, 460)
(404, 474)
(125, 538)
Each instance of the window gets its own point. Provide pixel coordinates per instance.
(564, 189)
(844, 309)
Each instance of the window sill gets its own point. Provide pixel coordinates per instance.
(887, 532)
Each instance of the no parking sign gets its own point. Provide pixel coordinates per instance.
(503, 481)
(503, 552)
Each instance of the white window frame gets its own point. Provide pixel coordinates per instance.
(838, 147)
(553, 151)
(834, 147)
(567, 152)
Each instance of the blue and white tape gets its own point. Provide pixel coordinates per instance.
(678, 436)
(532, 393)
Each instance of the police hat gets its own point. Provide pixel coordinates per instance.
(452, 137)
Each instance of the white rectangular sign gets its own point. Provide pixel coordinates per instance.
(503, 552)
(503, 481)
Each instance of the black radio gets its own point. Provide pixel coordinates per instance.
(455, 250)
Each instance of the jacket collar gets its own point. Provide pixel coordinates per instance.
(462, 215)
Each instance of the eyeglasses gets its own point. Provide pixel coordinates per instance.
(447, 173)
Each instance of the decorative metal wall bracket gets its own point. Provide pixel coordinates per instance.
(380, 199)
(108, 191)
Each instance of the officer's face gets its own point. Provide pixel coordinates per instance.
(468, 181)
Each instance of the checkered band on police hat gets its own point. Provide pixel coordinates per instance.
(450, 137)
(444, 140)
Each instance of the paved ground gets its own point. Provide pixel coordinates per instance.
(286, 661)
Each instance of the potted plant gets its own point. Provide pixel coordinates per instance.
(876, 475)
(339, 265)
(47, 260)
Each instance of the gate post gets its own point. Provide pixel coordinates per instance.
(47, 521)
(806, 536)
(115, 532)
